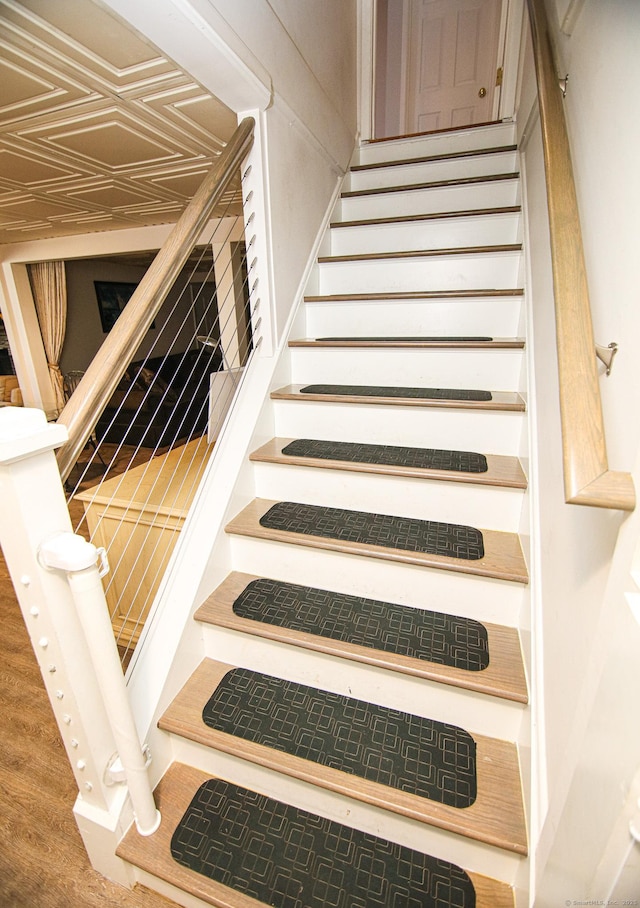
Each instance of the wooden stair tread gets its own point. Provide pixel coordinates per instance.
(502, 470)
(153, 853)
(434, 184)
(496, 343)
(500, 400)
(503, 677)
(414, 295)
(419, 253)
(503, 558)
(496, 817)
(428, 159)
(429, 216)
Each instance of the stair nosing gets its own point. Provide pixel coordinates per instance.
(496, 249)
(435, 184)
(434, 216)
(496, 343)
(271, 452)
(504, 647)
(432, 159)
(184, 717)
(503, 401)
(508, 565)
(152, 854)
(483, 293)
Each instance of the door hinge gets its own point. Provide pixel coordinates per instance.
(499, 73)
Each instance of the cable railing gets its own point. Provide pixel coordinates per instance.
(588, 479)
(137, 472)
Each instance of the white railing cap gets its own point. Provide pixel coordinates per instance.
(24, 431)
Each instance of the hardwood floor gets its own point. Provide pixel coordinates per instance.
(43, 863)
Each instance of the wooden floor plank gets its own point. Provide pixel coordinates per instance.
(496, 817)
(503, 557)
(500, 400)
(502, 470)
(174, 794)
(503, 677)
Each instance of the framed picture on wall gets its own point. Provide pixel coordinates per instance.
(112, 296)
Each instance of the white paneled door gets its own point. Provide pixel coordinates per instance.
(452, 50)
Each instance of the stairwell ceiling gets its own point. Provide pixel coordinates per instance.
(98, 131)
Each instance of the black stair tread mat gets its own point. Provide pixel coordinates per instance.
(416, 339)
(405, 533)
(392, 391)
(290, 858)
(422, 757)
(416, 633)
(388, 455)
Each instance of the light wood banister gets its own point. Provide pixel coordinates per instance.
(587, 477)
(112, 359)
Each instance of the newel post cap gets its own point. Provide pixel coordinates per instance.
(24, 432)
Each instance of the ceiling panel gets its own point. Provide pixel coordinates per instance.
(97, 129)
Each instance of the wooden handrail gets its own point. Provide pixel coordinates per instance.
(112, 359)
(587, 477)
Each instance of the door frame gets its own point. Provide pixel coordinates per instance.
(504, 105)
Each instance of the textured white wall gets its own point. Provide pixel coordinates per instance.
(589, 685)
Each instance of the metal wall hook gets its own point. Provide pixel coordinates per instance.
(563, 85)
(606, 355)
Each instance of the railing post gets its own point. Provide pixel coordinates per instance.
(74, 556)
(33, 512)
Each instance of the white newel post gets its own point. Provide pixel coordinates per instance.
(58, 586)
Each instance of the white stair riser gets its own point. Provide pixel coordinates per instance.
(443, 233)
(484, 431)
(430, 201)
(497, 370)
(473, 856)
(492, 317)
(466, 595)
(476, 713)
(444, 143)
(425, 172)
(478, 271)
(475, 505)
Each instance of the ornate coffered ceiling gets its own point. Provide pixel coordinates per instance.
(98, 131)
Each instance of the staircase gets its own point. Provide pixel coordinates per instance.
(351, 734)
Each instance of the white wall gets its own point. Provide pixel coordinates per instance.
(589, 685)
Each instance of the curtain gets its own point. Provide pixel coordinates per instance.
(49, 285)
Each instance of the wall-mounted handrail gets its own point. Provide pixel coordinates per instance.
(587, 477)
(112, 359)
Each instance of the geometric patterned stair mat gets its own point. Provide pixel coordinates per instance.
(411, 393)
(388, 455)
(412, 632)
(280, 855)
(390, 747)
(414, 338)
(405, 533)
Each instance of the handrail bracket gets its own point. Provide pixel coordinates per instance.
(606, 355)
